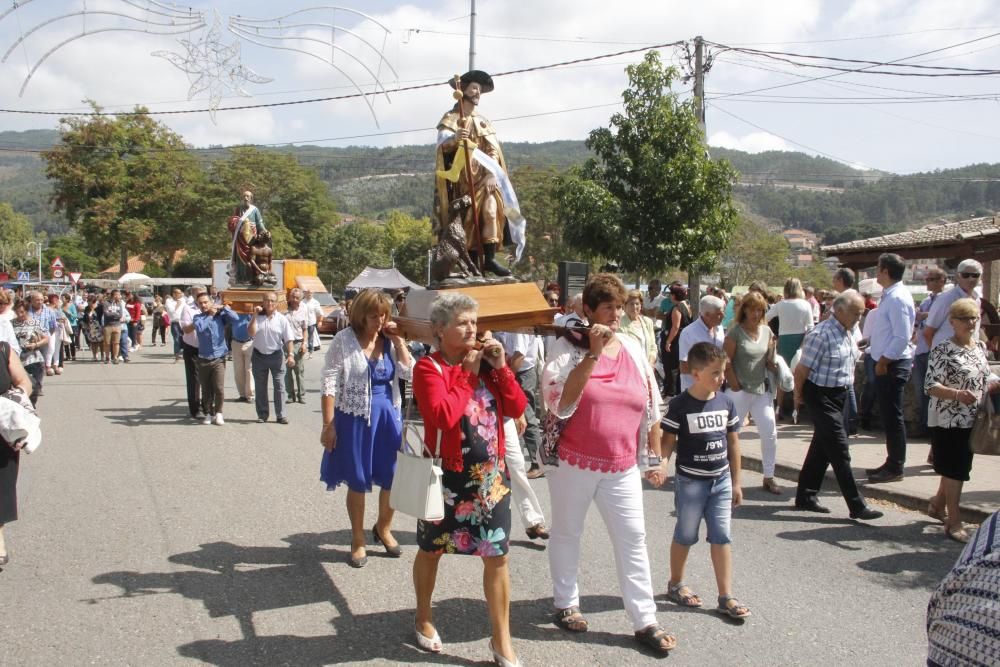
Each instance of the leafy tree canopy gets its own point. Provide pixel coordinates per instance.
(652, 198)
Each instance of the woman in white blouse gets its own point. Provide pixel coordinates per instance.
(795, 318)
(957, 377)
(640, 327)
(362, 425)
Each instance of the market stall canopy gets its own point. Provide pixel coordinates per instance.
(133, 277)
(385, 279)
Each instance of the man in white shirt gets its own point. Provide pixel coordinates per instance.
(706, 329)
(651, 302)
(272, 337)
(892, 352)
(938, 327)
(522, 353)
(314, 315)
(298, 317)
(173, 304)
(935, 281)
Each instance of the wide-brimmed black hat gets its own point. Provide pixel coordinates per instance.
(484, 80)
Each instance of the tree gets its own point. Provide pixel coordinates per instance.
(408, 239)
(126, 184)
(15, 232)
(349, 248)
(538, 194)
(755, 252)
(73, 252)
(652, 198)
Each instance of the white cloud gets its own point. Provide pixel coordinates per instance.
(755, 142)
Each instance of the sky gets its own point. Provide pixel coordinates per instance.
(397, 45)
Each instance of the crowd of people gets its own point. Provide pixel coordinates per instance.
(632, 380)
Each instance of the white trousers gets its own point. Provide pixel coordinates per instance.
(521, 493)
(761, 407)
(242, 372)
(618, 497)
(52, 348)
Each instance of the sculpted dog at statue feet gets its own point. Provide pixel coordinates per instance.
(451, 255)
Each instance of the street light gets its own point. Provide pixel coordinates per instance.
(38, 245)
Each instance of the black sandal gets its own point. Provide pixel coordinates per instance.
(571, 619)
(656, 638)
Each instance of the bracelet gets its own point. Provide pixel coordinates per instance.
(591, 355)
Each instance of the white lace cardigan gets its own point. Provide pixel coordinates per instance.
(346, 377)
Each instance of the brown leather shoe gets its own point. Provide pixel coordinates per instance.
(536, 472)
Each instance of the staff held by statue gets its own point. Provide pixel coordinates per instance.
(457, 94)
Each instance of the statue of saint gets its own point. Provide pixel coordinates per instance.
(470, 162)
(250, 263)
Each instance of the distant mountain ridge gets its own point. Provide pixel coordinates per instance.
(813, 192)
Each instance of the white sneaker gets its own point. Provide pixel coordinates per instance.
(219, 421)
(207, 420)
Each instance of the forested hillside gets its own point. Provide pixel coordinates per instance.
(794, 189)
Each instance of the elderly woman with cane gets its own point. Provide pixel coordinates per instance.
(604, 413)
(464, 390)
(362, 425)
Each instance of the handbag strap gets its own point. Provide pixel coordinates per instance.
(409, 418)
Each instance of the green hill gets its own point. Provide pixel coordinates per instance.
(794, 189)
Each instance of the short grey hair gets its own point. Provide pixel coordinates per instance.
(296, 292)
(447, 307)
(713, 303)
(845, 299)
(574, 300)
(967, 264)
(33, 293)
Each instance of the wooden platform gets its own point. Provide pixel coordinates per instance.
(511, 307)
(244, 300)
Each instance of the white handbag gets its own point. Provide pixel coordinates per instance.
(417, 489)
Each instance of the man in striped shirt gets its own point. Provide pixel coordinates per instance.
(824, 373)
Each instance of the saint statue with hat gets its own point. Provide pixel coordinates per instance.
(470, 162)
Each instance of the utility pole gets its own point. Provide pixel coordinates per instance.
(694, 275)
(472, 37)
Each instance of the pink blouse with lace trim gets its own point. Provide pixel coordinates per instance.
(603, 433)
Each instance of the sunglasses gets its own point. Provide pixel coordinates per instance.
(969, 275)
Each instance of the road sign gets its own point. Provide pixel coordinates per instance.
(75, 276)
(57, 273)
(23, 276)
(57, 263)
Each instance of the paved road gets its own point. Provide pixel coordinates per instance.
(147, 539)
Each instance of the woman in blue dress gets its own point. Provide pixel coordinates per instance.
(362, 425)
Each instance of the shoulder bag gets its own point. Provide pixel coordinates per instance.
(985, 438)
(417, 489)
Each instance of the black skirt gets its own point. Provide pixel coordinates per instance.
(952, 454)
(9, 460)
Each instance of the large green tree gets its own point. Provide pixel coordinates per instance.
(126, 184)
(538, 194)
(15, 233)
(652, 198)
(755, 252)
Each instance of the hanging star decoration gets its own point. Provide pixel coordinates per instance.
(214, 66)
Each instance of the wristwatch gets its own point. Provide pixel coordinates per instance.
(591, 355)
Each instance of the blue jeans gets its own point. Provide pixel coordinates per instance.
(176, 334)
(711, 499)
(889, 390)
(125, 342)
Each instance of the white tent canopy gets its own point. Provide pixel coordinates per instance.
(385, 279)
(133, 277)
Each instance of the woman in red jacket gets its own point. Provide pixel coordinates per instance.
(464, 393)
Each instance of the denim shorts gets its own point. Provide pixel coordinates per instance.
(711, 499)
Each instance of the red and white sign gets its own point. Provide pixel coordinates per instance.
(75, 276)
(57, 263)
(57, 274)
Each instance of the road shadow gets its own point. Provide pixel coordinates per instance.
(237, 581)
(170, 412)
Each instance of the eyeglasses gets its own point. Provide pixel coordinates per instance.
(553, 302)
(969, 275)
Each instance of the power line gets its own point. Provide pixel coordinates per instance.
(563, 40)
(348, 96)
(866, 37)
(791, 141)
(835, 74)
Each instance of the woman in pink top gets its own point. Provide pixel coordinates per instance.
(603, 423)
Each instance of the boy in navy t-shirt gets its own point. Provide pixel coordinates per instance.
(702, 425)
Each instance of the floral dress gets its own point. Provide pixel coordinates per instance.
(477, 500)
